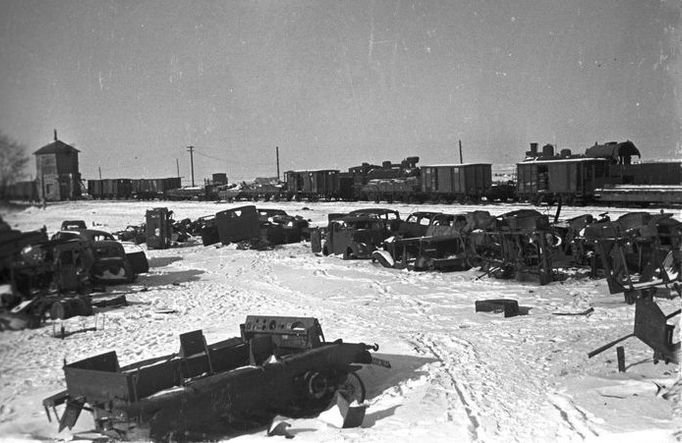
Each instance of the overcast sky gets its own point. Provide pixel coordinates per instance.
(335, 83)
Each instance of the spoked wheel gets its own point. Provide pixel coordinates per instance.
(353, 389)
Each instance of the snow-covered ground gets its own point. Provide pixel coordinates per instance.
(457, 375)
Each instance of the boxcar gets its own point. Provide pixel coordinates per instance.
(164, 185)
(466, 181)
(95, 189)
(150, 188)
(23, 191)
(117, 188)
(324, 183)
(571, 180)
(313, 184)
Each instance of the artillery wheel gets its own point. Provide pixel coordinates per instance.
(353, 389)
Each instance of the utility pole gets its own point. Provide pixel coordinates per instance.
(191, 161)
(277, 152)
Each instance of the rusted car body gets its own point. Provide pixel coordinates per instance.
(111, 264)
(73, 225)
(391, 218)
(524, 240)
(61, 265)
(278, 227)
(416, 224)
(134, 254)
(637, 249)
(444, 245)
(44, 273)
(11, 244)
(278, 365)
(237, 224)
(354, 236)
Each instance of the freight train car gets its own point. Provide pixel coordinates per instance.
(123, 188)
(152, 188)
(312, 185)
(111, 188)
(22, 191)
(95, 189)
(460, 182)
(571, 180)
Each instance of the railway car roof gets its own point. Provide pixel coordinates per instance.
(450, 165)
(295, 171)
(563, 160)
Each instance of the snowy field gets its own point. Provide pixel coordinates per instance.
(457, 375)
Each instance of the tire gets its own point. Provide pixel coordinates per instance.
(353, 389)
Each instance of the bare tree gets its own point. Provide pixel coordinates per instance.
(13, 161)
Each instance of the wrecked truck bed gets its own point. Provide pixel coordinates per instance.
(278, 366)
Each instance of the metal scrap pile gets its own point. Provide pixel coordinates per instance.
(641, 255)
(54, 276)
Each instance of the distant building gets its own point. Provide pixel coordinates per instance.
(58, 177)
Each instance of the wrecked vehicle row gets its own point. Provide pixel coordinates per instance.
(521, 244)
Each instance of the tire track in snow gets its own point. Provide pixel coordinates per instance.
(422, 343)
(575, 417)
(493, 403)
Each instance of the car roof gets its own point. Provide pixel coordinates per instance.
(425, 213)
(378, 211)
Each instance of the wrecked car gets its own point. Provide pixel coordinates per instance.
(237, 224)
(278, 365)
(134, 254)
(40, 276)
(73, 225)
(416, 224)
(282, 228)
(111, 264)
(391, 218)
(353, 236)
(443, 247)
(11, 243)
